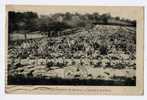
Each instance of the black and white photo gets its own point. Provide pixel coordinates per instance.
(72, 48)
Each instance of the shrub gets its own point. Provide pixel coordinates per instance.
(103, 50)
(50, 64)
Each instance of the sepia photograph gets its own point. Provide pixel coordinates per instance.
(76, 46)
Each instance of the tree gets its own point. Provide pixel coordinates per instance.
(24, 21)
(96, 16)
(51, 26)
(117, 18)
(67, 16)
(105, 17)
(11, 16)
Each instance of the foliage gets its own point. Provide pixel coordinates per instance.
(30, 21)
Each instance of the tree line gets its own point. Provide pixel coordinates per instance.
(30, 21)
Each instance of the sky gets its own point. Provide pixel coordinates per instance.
(127, 12)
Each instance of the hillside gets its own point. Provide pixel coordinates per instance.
(104, 53)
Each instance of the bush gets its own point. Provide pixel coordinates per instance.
(103, 50)
(98, 64)
(50, 64)
(60, 65)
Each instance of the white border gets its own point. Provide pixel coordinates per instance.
(4, 96)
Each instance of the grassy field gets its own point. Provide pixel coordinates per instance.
(20, 36)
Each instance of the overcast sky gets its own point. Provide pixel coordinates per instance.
(123, 12)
